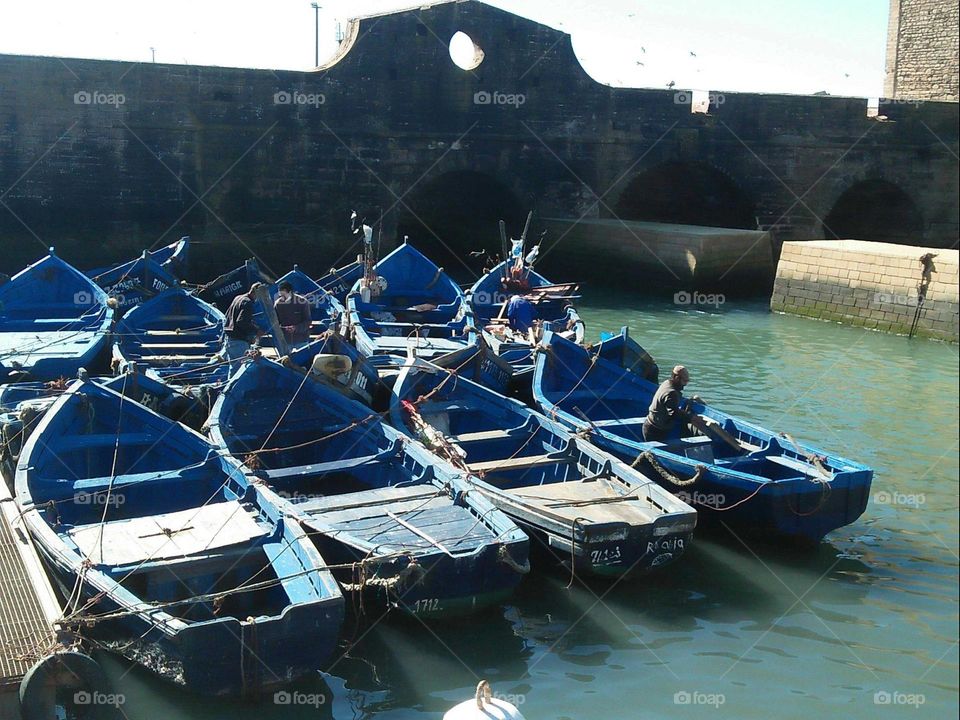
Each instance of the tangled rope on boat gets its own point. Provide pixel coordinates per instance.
(387, 583)
(666, 474)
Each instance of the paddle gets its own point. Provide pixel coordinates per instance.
(709, 426)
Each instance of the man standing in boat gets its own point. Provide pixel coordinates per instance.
(665, 408)
(293, 314)
(239, 327)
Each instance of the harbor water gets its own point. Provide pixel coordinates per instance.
(863, 626)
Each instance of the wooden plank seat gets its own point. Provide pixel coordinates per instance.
(619, 421)
(323, 468)
(794, 464)
(594, 501)
(171, 535)
(480, 436)
(93, 440)
(390, 496)
(518, 463)
(176, 346)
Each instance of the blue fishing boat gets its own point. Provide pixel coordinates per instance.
(53, 321)
(399, 526)
(406, 301)
(221, 291)
(171, 259)
(132, 283)
(338, 281)
(586, 506)
(166, 554)
(325, 310)
(178, 338)
(22, 405)
(550, 308)
(733, 471)
(623, 350)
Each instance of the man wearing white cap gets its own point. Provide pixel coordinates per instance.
(665, 407)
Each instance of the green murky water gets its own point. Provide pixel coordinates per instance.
(865, 626)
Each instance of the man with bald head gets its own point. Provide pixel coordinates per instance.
(665, 409)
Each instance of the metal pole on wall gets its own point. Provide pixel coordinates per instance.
(316, 34)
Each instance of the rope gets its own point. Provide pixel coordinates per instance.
(666, 474)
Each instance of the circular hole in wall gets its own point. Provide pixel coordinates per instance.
(464, 52)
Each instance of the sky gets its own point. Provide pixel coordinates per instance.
(783, 46)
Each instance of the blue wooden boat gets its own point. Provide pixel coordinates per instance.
(551, 303)
(178, 338)
(172, 260)
(22, 405)
(132, 283)
(325, 310)
(623, 350)
(402, 528)
(221, 291)
(53, 321)
(580, 502)
(735, 472)
(338, 281)
(410, 302)
(166, 554)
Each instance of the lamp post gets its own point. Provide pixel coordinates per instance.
(316, 34)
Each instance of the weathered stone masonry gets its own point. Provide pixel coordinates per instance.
(872, 285)
(923, 62)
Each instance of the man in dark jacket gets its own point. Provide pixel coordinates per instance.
(665, 409)
(239, 327)
(293, 314)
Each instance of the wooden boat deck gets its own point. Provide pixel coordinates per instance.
(28, 606)
(593, 501)
(164, 537)
(416, 517)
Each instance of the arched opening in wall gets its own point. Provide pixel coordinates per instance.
(688, 193)
(875, 210)
(455, 214)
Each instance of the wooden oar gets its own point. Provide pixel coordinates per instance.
(713, 428)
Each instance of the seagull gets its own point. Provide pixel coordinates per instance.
(692, 54)
(671, 84)
(643, 50)
(639, 63)
(846, 74)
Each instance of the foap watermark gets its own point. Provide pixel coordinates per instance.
(486, 97)
(300, 699)
(295, 97)
(885, 298)
(694, 297)
(895, 697)
(98, 97)
(695, 697)
(711, 500)
(84, 697)
(698, 97)
(85, 498)
(916, 102)
(83, 298)
(898, 498)
(515, 699)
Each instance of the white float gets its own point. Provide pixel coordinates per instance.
(484, 707)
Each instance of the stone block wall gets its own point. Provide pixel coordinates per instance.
(872, 285)
(922, 50)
